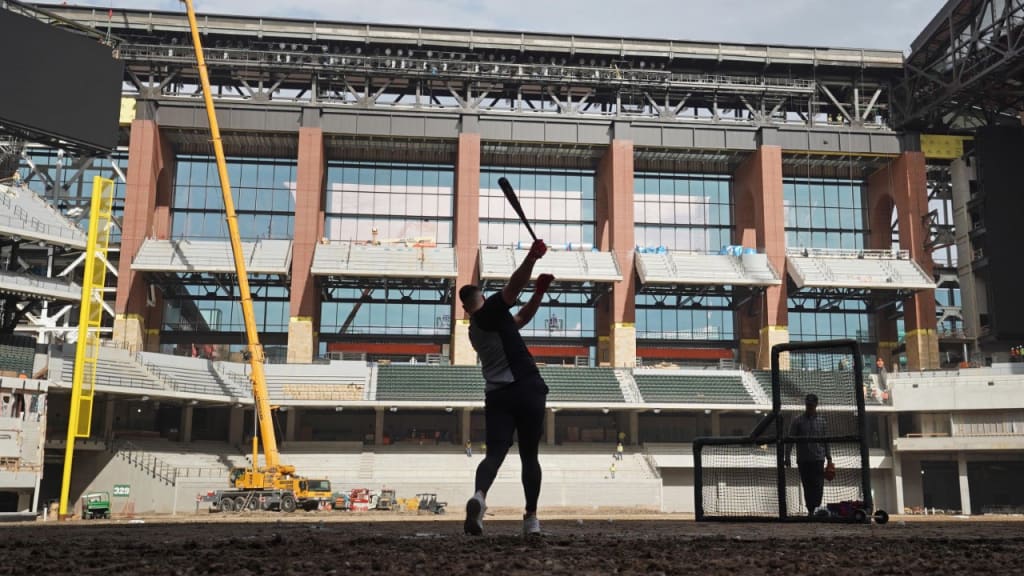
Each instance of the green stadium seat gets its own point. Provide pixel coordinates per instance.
(692, 388)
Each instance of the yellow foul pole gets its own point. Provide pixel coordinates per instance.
(83, 380)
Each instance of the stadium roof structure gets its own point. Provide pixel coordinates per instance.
(852, 274)
(590, 273)
(24, 215)
(965, 68)
(696, 275)
(383, 75)
(32, 287)
(369, 266)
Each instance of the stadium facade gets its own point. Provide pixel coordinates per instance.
(704, 202)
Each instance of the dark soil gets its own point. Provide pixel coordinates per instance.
(312, 544)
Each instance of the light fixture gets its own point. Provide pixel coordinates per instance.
(394, 408)
(707, 411)
(144, 398)
(657, 410)
(448, 409)
(553, 410)
(193, 402)
(282, 408)
(605, 410)
(339, 408)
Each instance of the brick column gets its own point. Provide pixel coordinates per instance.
(880, 207)
(903, 184)
(467, 240)
(760, 222)
(309, 224)
(147, 213)
(616, 314)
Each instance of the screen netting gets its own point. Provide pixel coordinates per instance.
(748, 477)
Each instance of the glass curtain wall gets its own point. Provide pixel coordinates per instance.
(393, 204)
(829, 214)
(561, 207)
(689, 213)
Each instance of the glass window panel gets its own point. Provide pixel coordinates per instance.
(197, 173)
(832, 217)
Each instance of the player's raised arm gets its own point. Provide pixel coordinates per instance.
(521, 277)
(527, 312)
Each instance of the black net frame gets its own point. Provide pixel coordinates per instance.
(753, 468)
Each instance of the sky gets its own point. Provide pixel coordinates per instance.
(886, 24)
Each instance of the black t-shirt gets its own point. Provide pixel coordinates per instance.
(504, 357)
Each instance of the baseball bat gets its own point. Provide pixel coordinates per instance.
(510, 194)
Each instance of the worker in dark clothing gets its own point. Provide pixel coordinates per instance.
(810, 456)
(515, 392)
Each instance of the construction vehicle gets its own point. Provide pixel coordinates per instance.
(429, 503)
(387, 500)
(272, 485)
(96, 505)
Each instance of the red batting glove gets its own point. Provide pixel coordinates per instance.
(538, 250)
(543, 282)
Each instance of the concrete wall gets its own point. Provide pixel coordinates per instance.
(979, 389)
(677, 490)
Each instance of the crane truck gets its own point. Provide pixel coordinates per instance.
(272, 485)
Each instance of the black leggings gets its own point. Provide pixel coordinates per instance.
(812, 476)
(517, 408)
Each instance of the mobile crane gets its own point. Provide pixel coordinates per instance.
(273, 486)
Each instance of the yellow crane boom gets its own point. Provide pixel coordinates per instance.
(259, 383)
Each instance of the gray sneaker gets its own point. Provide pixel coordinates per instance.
(475, 509)
(531, 526)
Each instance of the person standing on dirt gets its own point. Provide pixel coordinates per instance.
(515, 391)
(810, 456)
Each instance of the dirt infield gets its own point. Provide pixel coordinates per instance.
(321, 544)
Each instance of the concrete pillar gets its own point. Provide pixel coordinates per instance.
(897, 462)
(615, 233)
(549, 427)
(236, 420)
(378, 427)
(309, 229)
(186, 422)
(24, 501)
(108, 420)
(291, 420)
(716, 424)
(466, 425)
(960, 175)
(467, 241)
(903, 184)
(760, 222)
(149, 184)
(965, 489)
(634, 428)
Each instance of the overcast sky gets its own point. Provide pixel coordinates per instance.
(890, 24)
